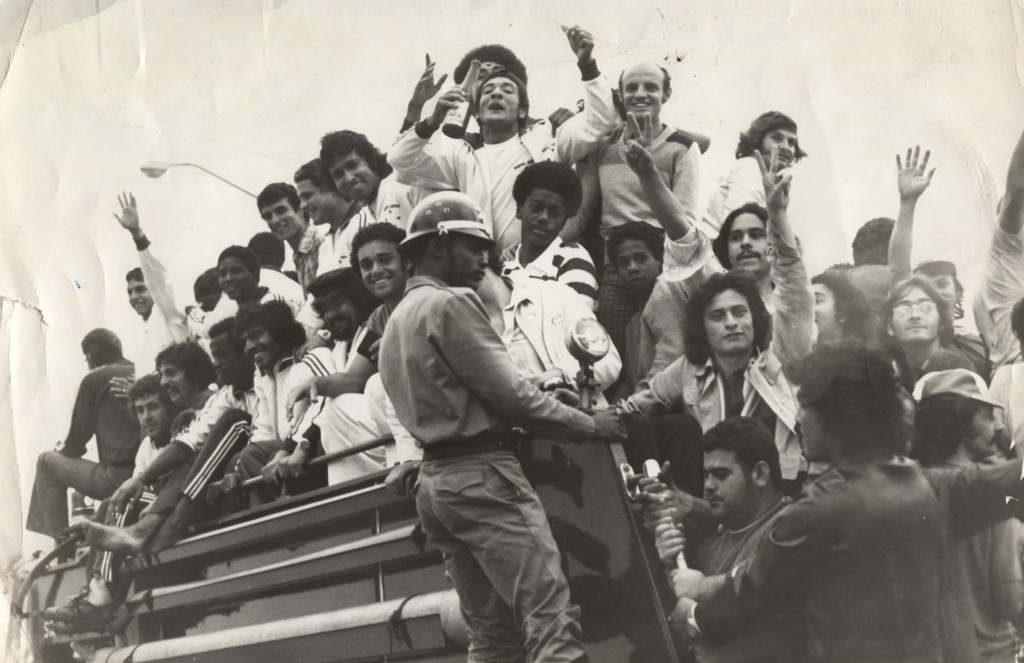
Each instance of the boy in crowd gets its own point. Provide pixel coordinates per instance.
(636, 251)
(280, 206)
(98, 413)
(150, 294)
(91, 609)
(546, 195)
(485, 166)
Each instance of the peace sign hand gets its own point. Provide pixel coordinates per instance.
(776, 183)
(639, 138)
(911, 178)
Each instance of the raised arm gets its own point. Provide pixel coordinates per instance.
(424, 91)
(421, 159)
(579, 135)
(913, 179)
(153, 271)
(1003, 285)
(667, 208)
(793, 300)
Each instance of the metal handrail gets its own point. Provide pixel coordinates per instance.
(313, 463)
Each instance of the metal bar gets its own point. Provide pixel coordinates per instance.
(323, 460)
(222, 179)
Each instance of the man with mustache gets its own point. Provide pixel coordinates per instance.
(742, 245)
(281, 207)
(485, 166)
(734, 363)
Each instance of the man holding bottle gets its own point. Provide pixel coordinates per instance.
(485, 166)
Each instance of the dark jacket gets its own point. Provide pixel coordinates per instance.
(862, 548)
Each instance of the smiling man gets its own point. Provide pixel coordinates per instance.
(485, 165)
(281, 442)
(280, 205)
(186, 373)
(150, 293)
(547, 194)
(360, 172)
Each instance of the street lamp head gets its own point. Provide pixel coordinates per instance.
(155, 168)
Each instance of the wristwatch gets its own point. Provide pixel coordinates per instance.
(304, 445)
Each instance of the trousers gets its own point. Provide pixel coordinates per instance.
(499, 551)
(55, 473)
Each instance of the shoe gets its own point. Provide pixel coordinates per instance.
(79, 615)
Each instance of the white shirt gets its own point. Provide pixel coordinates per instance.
(501, 164)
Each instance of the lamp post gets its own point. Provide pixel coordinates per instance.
(157, 168)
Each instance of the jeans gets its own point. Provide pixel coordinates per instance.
(55, 473)
(487, 520)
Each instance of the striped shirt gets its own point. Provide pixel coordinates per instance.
(565, 262)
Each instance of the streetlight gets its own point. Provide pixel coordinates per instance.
(157, 168)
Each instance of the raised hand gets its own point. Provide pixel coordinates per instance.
(425, 89)
(129, 217)
(639, 138)
(581, 42)
(913, 177)
(776, 183)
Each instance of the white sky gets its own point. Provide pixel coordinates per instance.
(96, 88)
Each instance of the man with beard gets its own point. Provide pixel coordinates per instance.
(456, 390)
(280, 206)
(485, 166)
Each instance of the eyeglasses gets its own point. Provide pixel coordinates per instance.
(904, 310)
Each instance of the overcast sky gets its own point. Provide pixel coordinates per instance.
(96, 88)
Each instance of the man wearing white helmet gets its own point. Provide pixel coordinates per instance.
(458, 393)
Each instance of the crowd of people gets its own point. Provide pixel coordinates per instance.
(838, 449)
